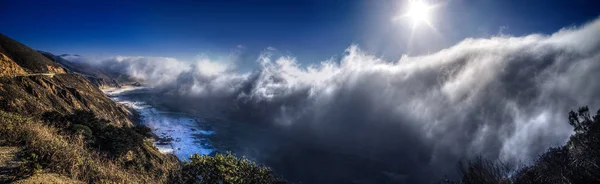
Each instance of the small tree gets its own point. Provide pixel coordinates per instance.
(581, 121)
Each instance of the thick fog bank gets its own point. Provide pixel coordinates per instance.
(502, 97)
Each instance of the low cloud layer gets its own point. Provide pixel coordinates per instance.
(503, 98)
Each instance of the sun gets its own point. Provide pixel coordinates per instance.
(419, 12)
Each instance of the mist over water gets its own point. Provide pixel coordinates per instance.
(177, 133)
(365, 119)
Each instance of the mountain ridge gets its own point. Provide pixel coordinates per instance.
(30, 84)
(28, 59)
(96, 75)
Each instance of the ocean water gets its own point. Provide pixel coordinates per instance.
(186, 135)
(288, 154)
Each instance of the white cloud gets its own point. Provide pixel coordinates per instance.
(501, 97)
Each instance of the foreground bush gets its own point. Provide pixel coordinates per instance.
(225, 168)
(47, 148)
(99, 133)
(576, 162)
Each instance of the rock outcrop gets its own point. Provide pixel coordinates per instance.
(9, 68)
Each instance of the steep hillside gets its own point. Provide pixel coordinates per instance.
(96, 75)
(27, 58)
(49, 151)
(9, 68)
(32, 84)
(62, 92)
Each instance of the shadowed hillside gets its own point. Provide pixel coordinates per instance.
(27, 58)
(32, 84)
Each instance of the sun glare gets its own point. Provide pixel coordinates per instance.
(416, 13)
(419, 12)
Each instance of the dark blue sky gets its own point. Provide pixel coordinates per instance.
(309, 30)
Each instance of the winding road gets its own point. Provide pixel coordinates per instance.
(32, 74)
(39, 74)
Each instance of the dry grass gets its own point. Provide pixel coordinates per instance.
(68, 155)
(8, 163)
(48, 178)
(7, 154)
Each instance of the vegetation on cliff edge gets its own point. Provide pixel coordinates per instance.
(82, 147)
(578, 161)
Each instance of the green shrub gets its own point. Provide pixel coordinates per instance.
(55, 119)
(31, 163)
(225, 168)
(81, 129)
(116, 141)
(143, 130)
(99, 133)
(87, 118)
